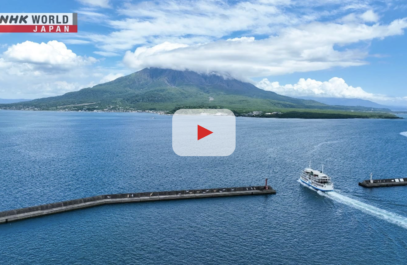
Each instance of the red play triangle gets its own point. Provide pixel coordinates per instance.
(202, 132)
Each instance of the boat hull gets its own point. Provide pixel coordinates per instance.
(308, 184)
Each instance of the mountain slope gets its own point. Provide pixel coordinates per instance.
(347, 102)
(167, 90)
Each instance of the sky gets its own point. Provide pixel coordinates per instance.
(319, 48)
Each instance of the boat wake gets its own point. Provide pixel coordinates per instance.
(364, 207)
(404, 134)
(369, 209)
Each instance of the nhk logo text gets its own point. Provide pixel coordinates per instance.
(39, 22)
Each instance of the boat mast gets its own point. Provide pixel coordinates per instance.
(371, 177)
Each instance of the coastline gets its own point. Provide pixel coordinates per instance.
(312, 114)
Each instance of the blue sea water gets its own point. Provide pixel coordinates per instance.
(52, 156)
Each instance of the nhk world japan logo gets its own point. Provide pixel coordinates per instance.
(39, 22)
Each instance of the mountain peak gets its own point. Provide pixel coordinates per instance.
(178, 77)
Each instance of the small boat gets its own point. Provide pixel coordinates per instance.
(316, 180)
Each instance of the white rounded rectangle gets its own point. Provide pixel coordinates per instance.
(204, 132)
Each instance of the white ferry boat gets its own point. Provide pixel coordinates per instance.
(316, 179)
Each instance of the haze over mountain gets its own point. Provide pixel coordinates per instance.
(9, 101)
(166, 90)
(356, 102)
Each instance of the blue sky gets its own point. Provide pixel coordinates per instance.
(332, 48)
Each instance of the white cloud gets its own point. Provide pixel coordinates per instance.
(307, 48)
(33, 84)
(152, 21)
(98, 3)
(370, 16)
(110, 77)
(106, 54)
(333, 88)
(53, 55)
(275, 2)
(4, 63)
(55, 88)
(148, 22)
(76, 41)
(336, 87)
(356, 6)
(90, 15)
(136, 60)
(34, 70)
(350, 18)
(243, 39)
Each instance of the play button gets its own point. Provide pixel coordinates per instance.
(203, 132)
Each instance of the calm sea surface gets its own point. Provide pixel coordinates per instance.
(48, 156)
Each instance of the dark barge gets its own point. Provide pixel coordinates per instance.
(376, 183)
(59, 207)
